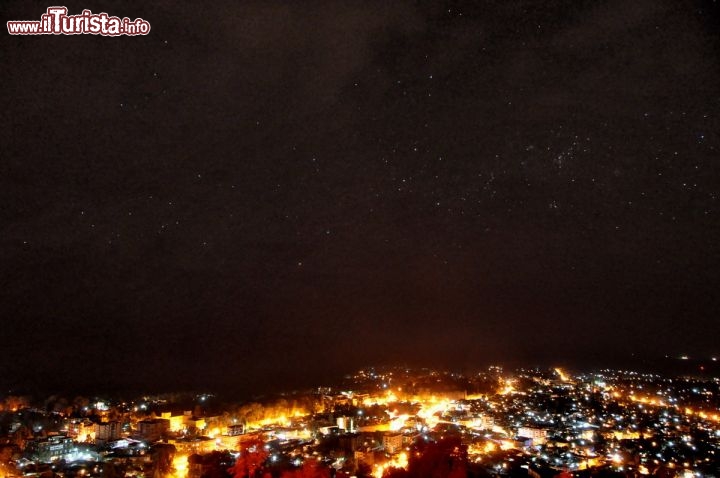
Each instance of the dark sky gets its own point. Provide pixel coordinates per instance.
(260, 195)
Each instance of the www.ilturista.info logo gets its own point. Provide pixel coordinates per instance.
(57, 22)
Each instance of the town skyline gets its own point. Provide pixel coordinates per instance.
(383, 423)
(264, 194)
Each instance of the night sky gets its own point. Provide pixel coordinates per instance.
(263, 195)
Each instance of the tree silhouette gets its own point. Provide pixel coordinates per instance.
(162, 457)
(250, 462)
(363, 470)
(446, 458)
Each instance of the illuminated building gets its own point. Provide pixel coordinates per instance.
(177, 423)
(50, 449)
(392, 442)
(105, 432)
(152, 430)
(196, 425)
(346, 423)
(537, 435)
